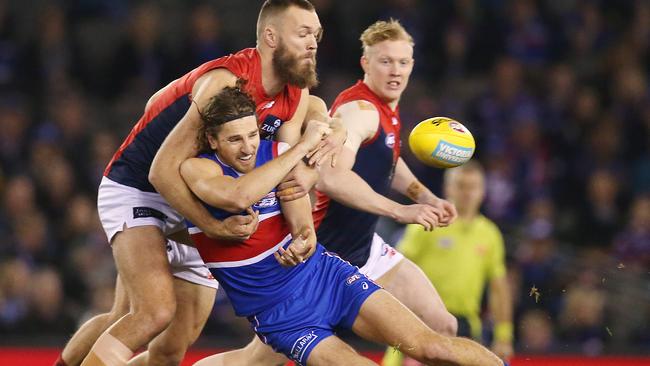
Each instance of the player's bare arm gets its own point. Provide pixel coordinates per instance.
(341, 184)
(303, 177)
(332, 144)
(205, 177)
(165, 168)
(407, 184)
(299, 218)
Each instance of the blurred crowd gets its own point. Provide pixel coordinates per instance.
(556, 93)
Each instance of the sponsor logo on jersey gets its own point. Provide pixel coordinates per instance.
(352, 279)
(142, 212)
(269, 200)
(390, 140)
(298, 349)
(268, 105)
(270, 126)
(394, 121)
(451, 153)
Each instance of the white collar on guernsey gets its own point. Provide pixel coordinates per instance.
(239, 174)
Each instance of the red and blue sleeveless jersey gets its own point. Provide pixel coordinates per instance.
(131, 163)
(343, 230)
(248, 271)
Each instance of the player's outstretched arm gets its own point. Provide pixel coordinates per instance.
(345, 186)
(206, 180)
(407, 184)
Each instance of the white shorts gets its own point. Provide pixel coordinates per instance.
(382, 259)
(119, 205)
(186, 264)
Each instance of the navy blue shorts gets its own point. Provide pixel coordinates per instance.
(328, 301)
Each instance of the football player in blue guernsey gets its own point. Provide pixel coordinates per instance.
(294, 309)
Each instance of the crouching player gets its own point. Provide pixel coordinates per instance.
(294, 309)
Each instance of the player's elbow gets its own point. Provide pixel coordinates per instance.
(236, 206)
(235, 203)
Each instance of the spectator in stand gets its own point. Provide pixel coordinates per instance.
(536, 335)
(632, 245)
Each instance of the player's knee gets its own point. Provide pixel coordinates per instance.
(155, 317)
(161, 317)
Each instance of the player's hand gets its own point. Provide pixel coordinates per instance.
(503, 349)
(424, 215)
(298, 183)
(331, 146)
(236, 227)
(300, 249)
(447, 211)
(314, 134)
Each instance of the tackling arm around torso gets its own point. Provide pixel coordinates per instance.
(180, 145)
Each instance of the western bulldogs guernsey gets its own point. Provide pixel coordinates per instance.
(248, 270)
(343, 230)
(291, 309)
(131, 163)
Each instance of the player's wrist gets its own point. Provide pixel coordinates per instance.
(394, 211)
(302, 149)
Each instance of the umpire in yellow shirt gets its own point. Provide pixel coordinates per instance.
(461, 259)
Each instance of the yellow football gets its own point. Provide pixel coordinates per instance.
(442, 142)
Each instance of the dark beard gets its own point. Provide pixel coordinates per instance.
(287, 69)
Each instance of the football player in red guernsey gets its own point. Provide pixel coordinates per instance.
(142, 199)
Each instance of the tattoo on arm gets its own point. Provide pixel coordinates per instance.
(414, 190)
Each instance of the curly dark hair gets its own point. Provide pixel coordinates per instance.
(231, 103)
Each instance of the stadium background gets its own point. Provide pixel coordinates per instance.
(556, 93)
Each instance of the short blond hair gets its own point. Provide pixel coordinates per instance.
(381, 31)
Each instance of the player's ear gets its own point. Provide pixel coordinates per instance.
(270, 36)
(211, 140)
(364, 63)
